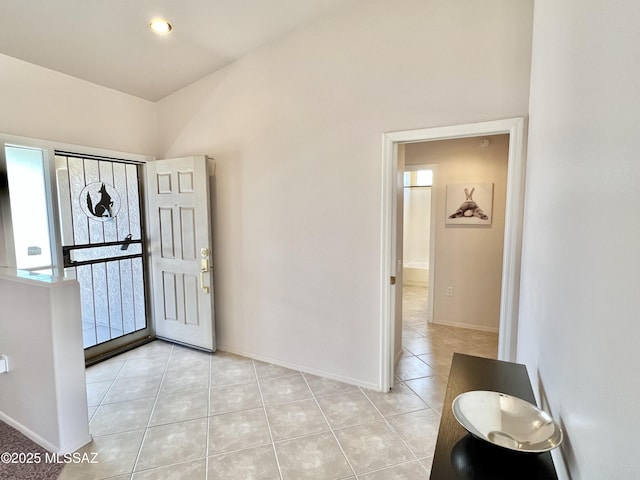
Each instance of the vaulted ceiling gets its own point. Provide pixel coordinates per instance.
(108, 42)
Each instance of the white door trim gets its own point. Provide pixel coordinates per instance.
(508, 331)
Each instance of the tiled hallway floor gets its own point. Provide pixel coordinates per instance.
(163, 411)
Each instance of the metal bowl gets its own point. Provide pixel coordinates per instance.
(506, 421)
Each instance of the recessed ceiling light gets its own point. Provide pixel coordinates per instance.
(160, 26)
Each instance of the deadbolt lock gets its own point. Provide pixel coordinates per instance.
(205, 252)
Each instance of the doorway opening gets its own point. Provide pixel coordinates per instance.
(103, 247)
(418, 239)
(391, 265)
(80, 212)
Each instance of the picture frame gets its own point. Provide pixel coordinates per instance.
(469, 204)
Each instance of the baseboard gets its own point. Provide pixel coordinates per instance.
(76, 447)
(470, 326)
(301, 368)
(31, 435)
(28, 433)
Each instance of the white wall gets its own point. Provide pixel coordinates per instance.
(296, 128)
(40, 103)
(43, 395)
(469, 259)
(579, 311)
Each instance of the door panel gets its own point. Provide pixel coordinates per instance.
(180, 245)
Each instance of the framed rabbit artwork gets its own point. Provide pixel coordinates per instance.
(469, 204)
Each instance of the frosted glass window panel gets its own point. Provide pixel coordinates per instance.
(29, 209)
(100, 294)
(78, 216)
(89, 336)
(133, 201)
(101, 302)
(126, 286)
(85, 279)
(120, 184)
(115, 299)
(92, 176)
(109, 228)
(138, 293)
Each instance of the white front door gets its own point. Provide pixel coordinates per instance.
(180, 246)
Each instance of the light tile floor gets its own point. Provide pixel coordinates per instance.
(163, 411)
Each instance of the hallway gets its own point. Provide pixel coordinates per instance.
(428, 348)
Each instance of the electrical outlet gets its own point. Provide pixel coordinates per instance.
(449, 291)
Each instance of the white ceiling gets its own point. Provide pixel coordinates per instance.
(108, 41)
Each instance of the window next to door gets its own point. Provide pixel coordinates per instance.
(26, 215)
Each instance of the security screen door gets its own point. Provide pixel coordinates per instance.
(103, 247)
(180, 247)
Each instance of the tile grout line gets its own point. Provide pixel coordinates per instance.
(402, 381)
(399, 465)
(335, 437)
(264, 411)
(155, 401)
(426, 334)
(418, 395)
(117, 377)
(102, 400)
(153, 469)
(389, 423)
(108, 389)
(415, 393)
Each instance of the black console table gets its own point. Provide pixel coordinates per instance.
(458, 455)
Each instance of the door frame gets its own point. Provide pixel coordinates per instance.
(509, 298)
(432, 233)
